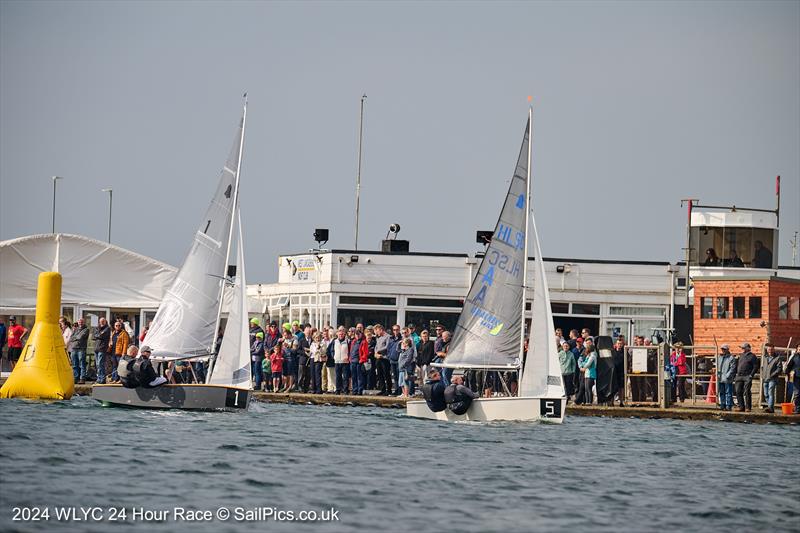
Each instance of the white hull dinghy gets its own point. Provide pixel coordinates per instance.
(490, 333)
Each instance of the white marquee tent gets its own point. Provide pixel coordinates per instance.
(94, 273)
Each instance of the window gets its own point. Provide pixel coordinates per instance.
(585, 309)
(635, 311)
(706, 307)
(429, 319)
(435, 302)
(783, 307)
(755, 307)
(722, 307)
(368, 300)
(738, 307)
(351, 317)
(794, 308)
(560, 307)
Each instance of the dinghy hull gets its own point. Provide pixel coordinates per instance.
(550, 410)
(192, 396)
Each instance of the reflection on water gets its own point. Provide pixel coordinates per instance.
(384, 471)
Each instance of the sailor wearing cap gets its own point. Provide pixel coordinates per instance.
(725, 376)
(746, 368)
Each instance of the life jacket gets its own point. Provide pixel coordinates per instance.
(457, 400)
(143, 371)
(434, 396)
(126, 373)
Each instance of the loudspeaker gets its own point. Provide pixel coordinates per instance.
(394, 246)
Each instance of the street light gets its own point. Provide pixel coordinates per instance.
(110, 201)
(55, 178)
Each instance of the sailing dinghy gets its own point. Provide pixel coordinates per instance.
(187, 321)
(490, 332)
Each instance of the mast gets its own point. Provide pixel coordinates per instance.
(525, 262)
(230, 237)
(358, 173)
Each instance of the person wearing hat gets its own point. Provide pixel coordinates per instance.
(726, 372)
(257, 358)
(746, 368)
(16, 333)
(255, 327)
(144, 371)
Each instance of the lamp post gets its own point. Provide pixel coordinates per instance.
(55, 178)
(358, 173)
(110, 202)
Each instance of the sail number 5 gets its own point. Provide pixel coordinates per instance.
(550, 408)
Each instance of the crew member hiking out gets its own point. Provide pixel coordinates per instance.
(458, 396)
(433, 391)
(144, 371)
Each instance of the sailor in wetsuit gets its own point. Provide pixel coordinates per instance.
(457, 395)
(433, 391)
(144, 372)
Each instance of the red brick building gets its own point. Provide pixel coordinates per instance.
(731, 310)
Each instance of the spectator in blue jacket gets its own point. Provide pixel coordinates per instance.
(725, 374)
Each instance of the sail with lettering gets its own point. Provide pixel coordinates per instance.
(232, 365)
(188, 315)
(489, 329)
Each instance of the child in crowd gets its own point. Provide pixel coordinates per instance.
(276, 365)
(406, 364)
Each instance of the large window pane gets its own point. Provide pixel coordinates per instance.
(783, 307)
(351, 317)
(585, 309)
(368, 300)
(625, 310)
(559, 307)
(794, 308)
(429, 319)
(755, 307)
(722, 306)
(738, 307)
(762, 249)
(706, 307)
(434, 302)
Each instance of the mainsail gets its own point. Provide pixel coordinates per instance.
(186, 319)
(489, 328)
(232, 365)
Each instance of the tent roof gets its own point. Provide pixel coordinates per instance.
(94, 273)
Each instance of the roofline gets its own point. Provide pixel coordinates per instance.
(746, 278)
(480, 254)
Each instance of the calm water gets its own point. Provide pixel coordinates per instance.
(385, 472)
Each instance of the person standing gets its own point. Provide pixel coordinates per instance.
(567, 363)
(678, 361)
(66, 330)
(16, 335)
(441, 355)
(746, 368)
(257, 358)
(579, 385)
(255, 327)
(771, 372)
(3, 331)
(384, 368)
(588, 363)
(357, 346)
(117, 347)
(793, 365)
(369, 366)
(329, 376)
(78, 342)
(393, 352)
(425, 355)
(340, 349)
(725, 376)
(102, 339)
(618, 385)
(276, 366)
(317, 353)
(406, 364)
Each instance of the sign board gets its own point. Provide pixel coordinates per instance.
(304, 269)
(638, 360)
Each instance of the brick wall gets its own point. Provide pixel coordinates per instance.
(729, 330)
(782, 330)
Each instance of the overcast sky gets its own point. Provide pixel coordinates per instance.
(636, 105)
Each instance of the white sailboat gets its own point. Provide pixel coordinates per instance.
(490, 332)
(187, 321)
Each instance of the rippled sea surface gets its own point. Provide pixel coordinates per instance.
(385, 472)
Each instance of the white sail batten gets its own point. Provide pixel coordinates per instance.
(185, 321)
(489, 327)
(232, 366)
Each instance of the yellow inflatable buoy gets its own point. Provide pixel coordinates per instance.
(43, 371)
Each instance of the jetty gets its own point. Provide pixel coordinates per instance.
(632, 411)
